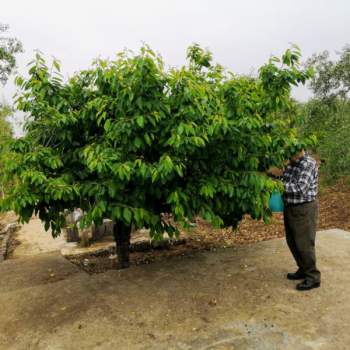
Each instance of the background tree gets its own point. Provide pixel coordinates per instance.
(129, 140)
(5, 136)
(332, 77)
(9, 47)
(328, 114)
(5, 126)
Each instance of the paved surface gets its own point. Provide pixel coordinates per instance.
(235, 298)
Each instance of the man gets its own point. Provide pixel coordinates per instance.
(300, 180)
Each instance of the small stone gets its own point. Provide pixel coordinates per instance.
(212, 302)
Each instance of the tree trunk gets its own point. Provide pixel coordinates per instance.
(122, 233)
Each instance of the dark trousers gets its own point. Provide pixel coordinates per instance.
(300, 223)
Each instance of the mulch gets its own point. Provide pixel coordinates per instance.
(335, 206)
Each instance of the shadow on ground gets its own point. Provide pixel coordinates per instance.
(236, 298)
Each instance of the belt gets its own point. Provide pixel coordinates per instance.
(286, 204)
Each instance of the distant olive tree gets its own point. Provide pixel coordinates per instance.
(9, 47)
(5, 136)
(332, 77)
(327, 115)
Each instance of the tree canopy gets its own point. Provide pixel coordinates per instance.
(130, 140)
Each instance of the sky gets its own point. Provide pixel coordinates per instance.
(241, 34)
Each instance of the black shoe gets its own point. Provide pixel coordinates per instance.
(296, 275)
(307, 285)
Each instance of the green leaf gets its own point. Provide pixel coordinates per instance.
(117, 213)
(107, 126)
(138, 142)
(47, 225)
(155, 175)
(207, 190)
(57, 66)
(147, 139)
(127, 215)
(140, 121)
(179, 171)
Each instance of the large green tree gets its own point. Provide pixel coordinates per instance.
(131, 140)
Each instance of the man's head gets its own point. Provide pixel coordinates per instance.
(298, 155)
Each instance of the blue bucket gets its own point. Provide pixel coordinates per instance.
(276, 202)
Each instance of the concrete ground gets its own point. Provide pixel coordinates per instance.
(236, 298)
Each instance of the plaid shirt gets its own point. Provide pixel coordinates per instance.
(300, 181)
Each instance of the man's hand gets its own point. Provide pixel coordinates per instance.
(274, 171)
